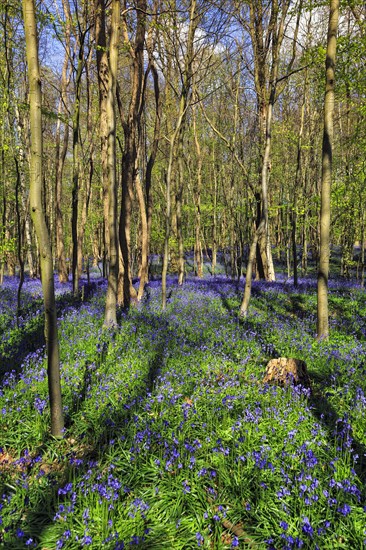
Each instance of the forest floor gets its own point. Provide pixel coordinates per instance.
(172, 440)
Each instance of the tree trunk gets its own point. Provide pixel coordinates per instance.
(144, 239)
(197, 197)
(214, 215)
(131, 128)
(249, 274)
(110, 317)
(76, 169)
(154, 145)
(51, 335)
(363, 248)
(323, 272)
(297, 186)
(168, 180)
(128, 176)
(86, 175)
(20, 238)
(60, 155)
(178, 212)
(60, 161)
(176, 143)
(103, 85)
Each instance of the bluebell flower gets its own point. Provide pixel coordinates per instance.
(344, 510)
(307, 528)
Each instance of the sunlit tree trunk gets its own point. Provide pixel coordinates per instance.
(38, 217)
(60, 154)
(86, 172)
(297, 186)
(323, 272)
(249, 274)
(144, 238)
(197, 196)
(363, 247)
(76, 167)
(178, 212)
(214, 214)
(131, 127)
(103, 85)
(266, 37)
(20, 232)
(154, 146)
(110, 317)
(24, 195)
(176, 147)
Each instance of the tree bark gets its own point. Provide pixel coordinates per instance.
(103, 85)
(197, 200)
(60, 154)
(176, 147)
(131, 127)
(110, 317)
(76, 167)
(38, 217)
(323, 272)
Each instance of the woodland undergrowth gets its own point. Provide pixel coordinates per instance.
(172, 440)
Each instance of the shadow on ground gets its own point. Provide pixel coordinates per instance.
(336, 427)
(39, 520)
(30, 337)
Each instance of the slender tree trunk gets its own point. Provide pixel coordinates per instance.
(60, 161)
(103, 84)
(86, 176)
(128, 176)
(270, 274)
(24, 198)
(20, 238)
(154, 145)
(214, 215)
(144, 238)
(169, 177)
(3, 220)
(176, 144)
(76, 169)
(363, 248)
(262, 232)
(168, 180)
(51, 335)
(132, 133)
(110, 317)
(197, 196)
(249, 274)
(178, 212)
(60, 155)
(297, 186)
(323, 272)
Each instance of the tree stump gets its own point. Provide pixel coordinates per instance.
(285, 371)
